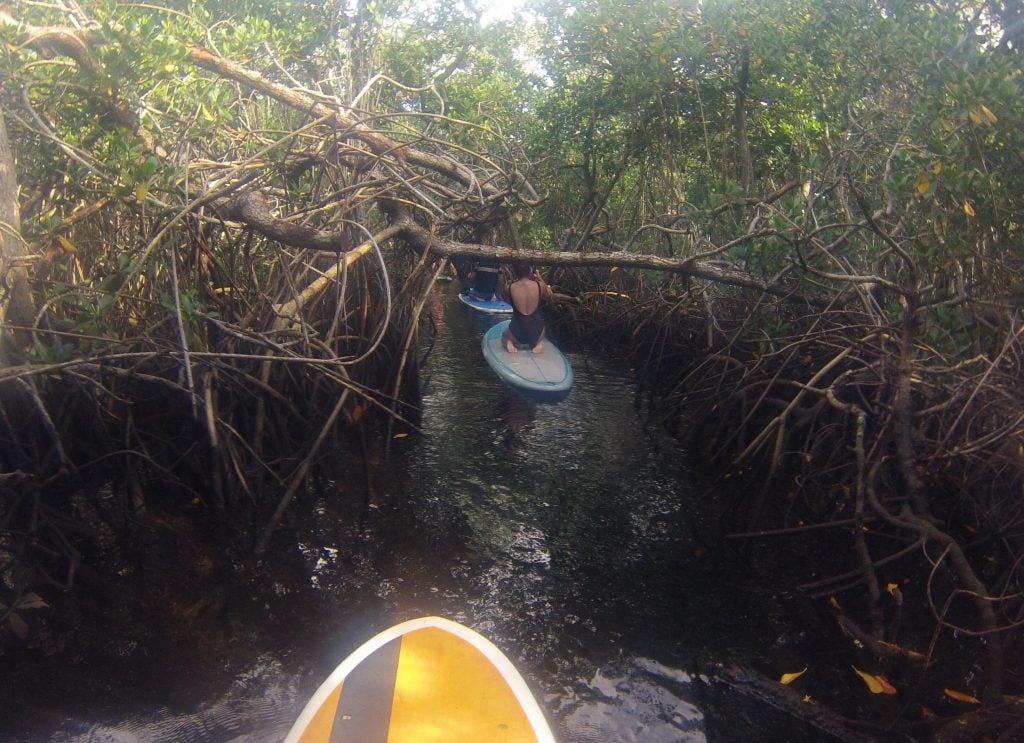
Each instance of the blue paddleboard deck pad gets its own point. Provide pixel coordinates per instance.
(480, 304)
(547, 371)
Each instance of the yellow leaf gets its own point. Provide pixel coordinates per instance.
(960, 696)
(400, 435)
(975, 119)
(902, 650)
(988, 114)
(968, 209)
(788, 678)
(873, 684)
(66, 245)
(834, 603)
(807, 698)
(892, 587)
(603, 29)
(142, 191)
(887, 688)
(923, 183)
(937, 168)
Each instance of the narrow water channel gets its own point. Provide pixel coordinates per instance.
(574, 535)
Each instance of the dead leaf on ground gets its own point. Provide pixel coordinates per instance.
(876, 684)
(960, 696)
(788, 678)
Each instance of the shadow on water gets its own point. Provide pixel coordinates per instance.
(570, 533)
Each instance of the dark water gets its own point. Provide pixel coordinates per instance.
(572, 534)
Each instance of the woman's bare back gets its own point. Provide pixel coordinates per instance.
(525, 295)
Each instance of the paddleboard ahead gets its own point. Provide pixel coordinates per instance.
(547, 371)
(498, 306)
(428, 680)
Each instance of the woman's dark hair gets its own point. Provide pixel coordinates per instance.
(522, 270)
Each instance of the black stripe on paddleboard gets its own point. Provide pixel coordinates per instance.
(364, 710)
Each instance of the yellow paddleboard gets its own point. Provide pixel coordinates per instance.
(427, 680)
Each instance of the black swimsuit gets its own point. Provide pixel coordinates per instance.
(526, 330)
(486, 282)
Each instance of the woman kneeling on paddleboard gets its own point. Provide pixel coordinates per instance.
(526, 294)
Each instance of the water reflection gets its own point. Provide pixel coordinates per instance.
(435, 306)
(568, 518)
(514, 413)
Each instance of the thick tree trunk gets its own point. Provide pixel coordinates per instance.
(16, 310)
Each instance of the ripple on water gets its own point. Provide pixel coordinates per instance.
(637, 701)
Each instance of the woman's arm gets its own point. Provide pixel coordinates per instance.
(545, 290)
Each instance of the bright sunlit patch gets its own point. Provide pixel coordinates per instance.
(439, 678)
(497, 10)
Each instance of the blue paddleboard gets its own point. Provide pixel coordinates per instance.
(547, 371)
(485, 305)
